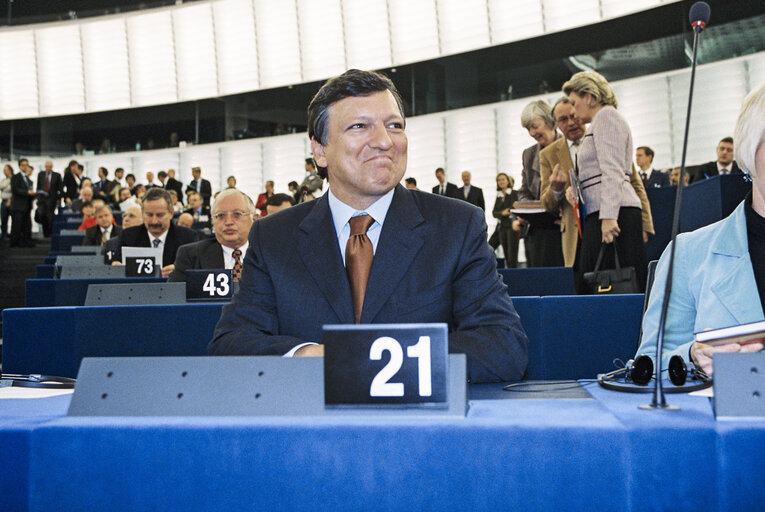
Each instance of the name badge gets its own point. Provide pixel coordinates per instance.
(141, 266)
(207, 285)
(386, 365)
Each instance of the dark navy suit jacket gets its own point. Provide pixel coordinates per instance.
(432, 264)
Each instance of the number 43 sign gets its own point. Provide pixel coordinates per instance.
(386, 364)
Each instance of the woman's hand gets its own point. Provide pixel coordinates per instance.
(609, 229)
(570, 196)
(702, 354)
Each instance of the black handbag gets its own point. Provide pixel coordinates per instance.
(618, 280)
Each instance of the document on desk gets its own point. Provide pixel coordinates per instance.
(15, 392)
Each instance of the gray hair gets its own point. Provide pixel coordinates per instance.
(537, 109)
(231, 192)
(749, 133)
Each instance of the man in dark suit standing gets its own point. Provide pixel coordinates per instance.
(723, 165)
(21, 206)
(172, 183)
(233, 215)
(429, 258)
(650, 176)
(469, 193)
(104, 228)
(157, 230)
(444, 188)
(200, 185)
(50, 188)
(104, 186)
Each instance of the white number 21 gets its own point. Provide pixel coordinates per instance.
(421, 351)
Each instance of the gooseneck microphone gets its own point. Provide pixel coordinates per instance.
(699, 17)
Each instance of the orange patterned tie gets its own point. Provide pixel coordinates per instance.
(236, 272)
(358, 260)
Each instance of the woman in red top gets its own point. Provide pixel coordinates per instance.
(260, 204)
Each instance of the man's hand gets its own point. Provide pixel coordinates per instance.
(517, 226)
(310, 351)
(116, 263)
(645, 237)
(167, 270)
(558, 179)
(702, 354)
(609, 229)
(506, 212)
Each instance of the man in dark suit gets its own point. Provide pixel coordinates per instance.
(104, 186)
(444, 188)
(157, 230)
(104, 228)
(21, 206)
(233, 215)
(199, 211)
(200, 185)
(651, 177)
(430, 260)
(723, 165)
(469, 193)
(50, 188)
(172, 183)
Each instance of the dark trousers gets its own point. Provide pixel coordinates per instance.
(45, 216)
(509, 240)
(21, 228)
(629, 244)
(543, 247)
(5, 214)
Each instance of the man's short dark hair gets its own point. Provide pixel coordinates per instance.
(648, 151)
(441, 170)
(81, 167)
(309, 161)
(105, 171)
(22, 160)
(352, 83)
(161, 174)
(131, 175)
(155, 193)
(729, 140)
(293, 184)
(411, 181)
(280, 199)
(118, 169)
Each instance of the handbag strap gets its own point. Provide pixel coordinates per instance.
(600, 256)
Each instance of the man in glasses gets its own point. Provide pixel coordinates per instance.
(232, 215)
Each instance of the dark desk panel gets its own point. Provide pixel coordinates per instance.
(70, 292)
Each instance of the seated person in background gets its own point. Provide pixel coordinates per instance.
(88, 216)
(185, 220)
(719, 270)
(429, 258)
(104, 228)
(411, 184)
(131, 217)
(233, 214)
(157, 230)
(139, 191)
(126, 200)
(231, 182)
(86, 195)
(260, 203)
(278, 202)
(177, 204)
(674, 177)
(198, 210)
(723, 165)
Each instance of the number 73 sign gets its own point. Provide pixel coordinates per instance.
(386, 364)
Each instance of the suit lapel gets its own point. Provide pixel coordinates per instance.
(317, 246)
(212, 256)
(396, 250)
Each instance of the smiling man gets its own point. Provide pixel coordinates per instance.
(233, 214)
(310, 265)
(156, 230)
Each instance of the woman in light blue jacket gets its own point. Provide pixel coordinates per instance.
(719, 274)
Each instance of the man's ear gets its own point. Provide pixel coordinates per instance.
(319, 156)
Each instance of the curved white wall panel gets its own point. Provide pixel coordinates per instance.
(218, 47)
(18, 78)
(59, 70)
(105, 63)
(152, 59)
(195, 52)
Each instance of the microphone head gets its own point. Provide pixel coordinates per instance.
(699, 14)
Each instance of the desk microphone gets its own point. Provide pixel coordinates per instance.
(699, 17)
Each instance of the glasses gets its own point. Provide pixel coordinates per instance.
(565, 119)
(236, 214)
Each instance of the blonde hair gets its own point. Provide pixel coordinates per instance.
(749, 133)
(591, 82)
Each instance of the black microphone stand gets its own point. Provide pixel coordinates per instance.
(658, 401)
